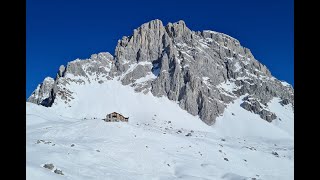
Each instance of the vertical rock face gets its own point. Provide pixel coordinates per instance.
(202, 71)
(44, 93)
(61, 71)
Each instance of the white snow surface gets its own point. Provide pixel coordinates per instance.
(284, 114)
(228, 87)
(246, 124)
(210, 31)
(149, 146)
(205, 80)
(285, 83)
(238, 67)
(148, 77)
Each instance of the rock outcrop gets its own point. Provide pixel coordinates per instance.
(43, 94)
(253, 105)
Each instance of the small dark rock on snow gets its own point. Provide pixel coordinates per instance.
(275, 153)
(72, 145)
(189, 134)
(251, 148)
(49, 166)
(58, 172)
(39, 141)
(226, 159)
(284, 102)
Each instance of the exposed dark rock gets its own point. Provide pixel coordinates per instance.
(284, 102)
(48, 166)
(275, 153)
(58, 172)
(253, 105)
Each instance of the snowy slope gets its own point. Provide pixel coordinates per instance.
(151, 146)
(95, 100)
(238, 122)
(285, 115)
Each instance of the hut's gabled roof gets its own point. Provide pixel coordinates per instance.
(116, 113)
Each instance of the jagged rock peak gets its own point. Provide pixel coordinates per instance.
(43, 93)
(61, 71)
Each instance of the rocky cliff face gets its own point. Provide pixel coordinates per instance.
(44, 93)
(202, 71)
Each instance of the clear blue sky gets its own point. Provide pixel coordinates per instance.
(59, 31)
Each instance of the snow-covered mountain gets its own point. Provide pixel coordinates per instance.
(202, 71)
(168, 80)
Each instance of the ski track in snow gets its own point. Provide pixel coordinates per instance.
(150, 146)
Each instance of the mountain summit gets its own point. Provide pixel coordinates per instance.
(201, 71)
